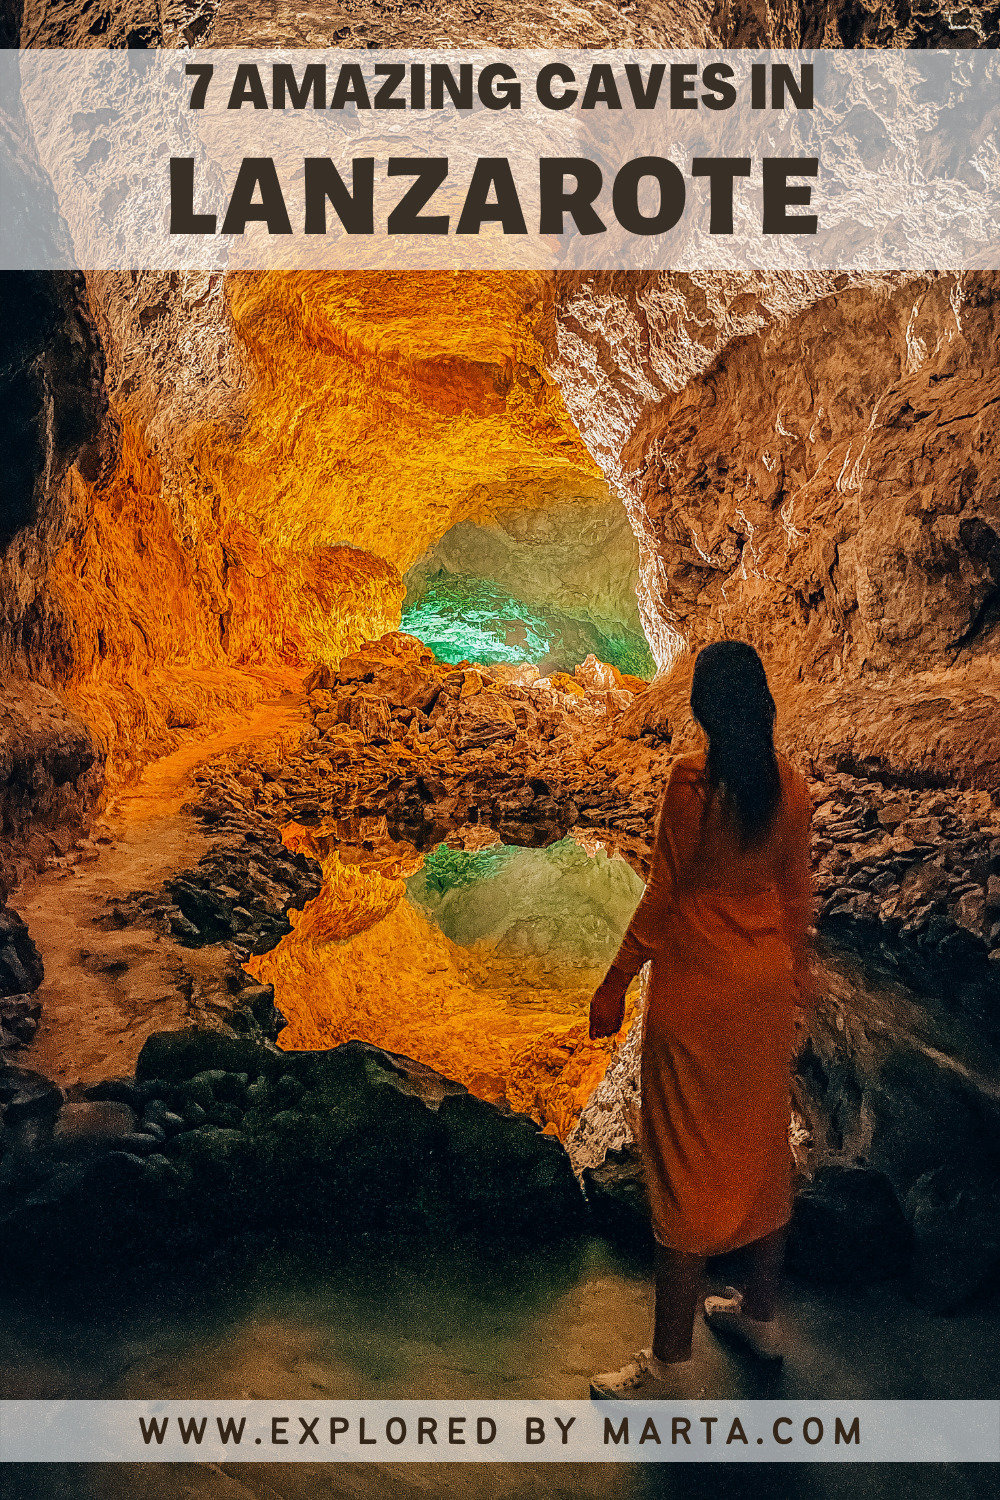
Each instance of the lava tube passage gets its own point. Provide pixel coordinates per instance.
(499, 745)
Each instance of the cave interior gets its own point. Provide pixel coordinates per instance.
(350, 617)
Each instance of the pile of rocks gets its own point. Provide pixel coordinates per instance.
(420, 741)
(21, 973)
(241, 891)
(911, 879)
(432, 747)
(218, 1137)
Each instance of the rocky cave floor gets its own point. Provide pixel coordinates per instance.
(146, 1104)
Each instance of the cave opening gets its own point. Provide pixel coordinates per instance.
(544, 587)
(379, 497)
(463, 739)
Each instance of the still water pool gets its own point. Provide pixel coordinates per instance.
(446, 1323)
(478, 959)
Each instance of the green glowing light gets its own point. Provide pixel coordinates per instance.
(474, 619)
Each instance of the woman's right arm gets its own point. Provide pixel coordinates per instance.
(641, 940)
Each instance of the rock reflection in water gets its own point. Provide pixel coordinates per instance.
(478, 959)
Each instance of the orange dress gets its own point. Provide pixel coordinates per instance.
(727, 931)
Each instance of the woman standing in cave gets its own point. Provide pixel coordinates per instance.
(725, 920)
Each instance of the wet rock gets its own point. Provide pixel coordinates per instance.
(848, 1227)
(954, 1214)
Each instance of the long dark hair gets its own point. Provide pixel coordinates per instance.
(732, 702)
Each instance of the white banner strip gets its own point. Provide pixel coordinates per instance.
(870, 160)
(499, 1431)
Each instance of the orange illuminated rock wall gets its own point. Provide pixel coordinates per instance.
(279, 447)
(384, 407)
(362, 962)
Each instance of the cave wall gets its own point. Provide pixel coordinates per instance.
(804, 451)
(824, 486)
(254, 434)
(855, 23)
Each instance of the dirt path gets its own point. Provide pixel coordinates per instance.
(105, 991)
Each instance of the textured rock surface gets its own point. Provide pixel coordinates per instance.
(853, 23)
(550, 584)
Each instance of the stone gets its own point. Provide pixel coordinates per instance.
(25, 1094)
(372, 719)
(592, 673)
(485, 719)
(506, 1175)
(122, 1090)
(19, 1019)
(892, 814)
(847, 1226)
(212, 1147)
(93, 1123)
(177, 1055)
(617, 1196)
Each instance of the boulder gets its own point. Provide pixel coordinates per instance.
(595, 674)
(485, 719)
(26, 1095)
(320, 678)
(848, 1227)
(122, 1090)
(371, 717)
(177, 1055)
(505, 1175)
(954, 1214)
(258, 1000)
(19, 1018)
(514, 674)
(93, 1123)
(21, 968)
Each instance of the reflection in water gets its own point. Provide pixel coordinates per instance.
(479, 961)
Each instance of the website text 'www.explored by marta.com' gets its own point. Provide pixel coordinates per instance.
(500, 1431)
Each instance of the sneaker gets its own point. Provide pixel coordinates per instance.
(725, 1316)
(645, 1379)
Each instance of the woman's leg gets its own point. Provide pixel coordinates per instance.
(679, 1277)
(748, 1315)
(764, 1260)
